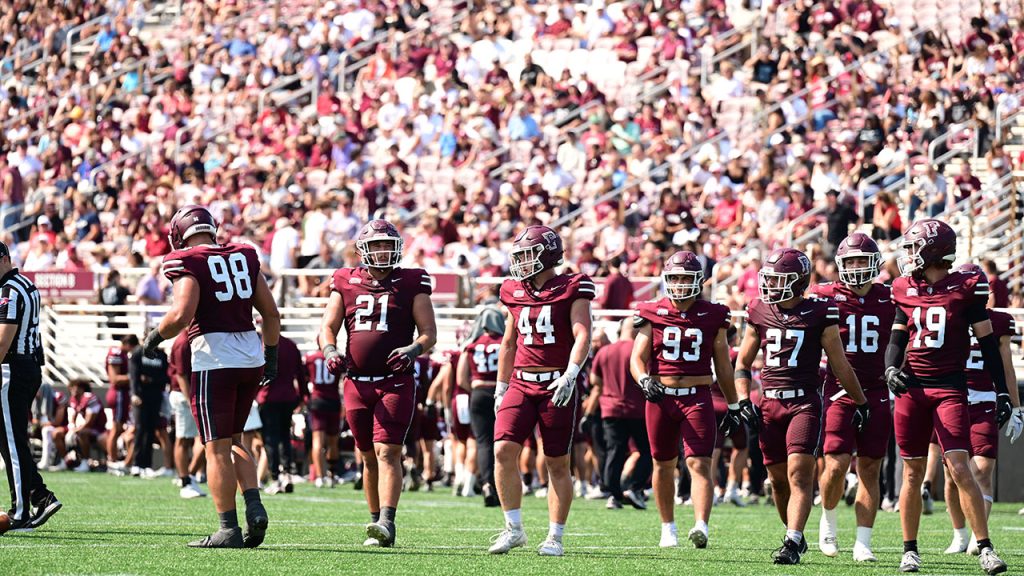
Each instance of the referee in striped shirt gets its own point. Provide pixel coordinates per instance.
(32, 503)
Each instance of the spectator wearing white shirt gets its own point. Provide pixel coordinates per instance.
(284, 246)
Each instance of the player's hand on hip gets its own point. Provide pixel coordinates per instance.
(861, 416)
(1015, 427)
(653, 390)
(1004, 410)
(562, 389)
(896, 380)
(750, 413)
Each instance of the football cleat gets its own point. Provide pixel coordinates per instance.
(888, 505)
(972, 547)
(371, 543)
(911, 562)
(382, 532)
(957, 546)
(541, 492)
(788, 553)
(698, 538)
(991, 563)
(828, 546)
(256, 520)
(44, 509)
(190, 491)
(83, 466)
(509, 538)
(862, 553)
(928, 503)
(613, 503)
(733, 497)
(19, 525)
(551, 547)
(594, 492)
(669, 538)
(490, 497)
(223, 538)
(273, 488)
(851, 490)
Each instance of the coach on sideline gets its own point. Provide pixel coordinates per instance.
(32, 503)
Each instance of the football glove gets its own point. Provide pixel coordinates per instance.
(333, 360)
(731, 422)
(401, 359)
(1004, 410)
(1016, 425)
(269, 365)
(896, 380)
(152, 343)
(861, 416)
(653, 390)
(562, 389)
(499, 394)
(750, 413)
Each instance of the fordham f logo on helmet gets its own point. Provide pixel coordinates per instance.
(858, 246)
(379, 245)
(683, 276)
(785, 275)
(535, 249)
(927, 243)
(189, 221)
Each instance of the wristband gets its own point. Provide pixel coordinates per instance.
(330, 350)
(734, 406)
(501, 386)
(416, 349)
(572, 370)
(744, 374)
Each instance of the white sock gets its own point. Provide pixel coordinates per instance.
(668, 527)
(795, 535)
(962, 535)
(555, 530)
(828, 521)
(49, 446)
(864, 536)
(514, 518)
(460, 471)
(702, 526)
(730, 488)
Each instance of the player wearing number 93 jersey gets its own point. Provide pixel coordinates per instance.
(216, 288)
(925, 361)
(389, 322)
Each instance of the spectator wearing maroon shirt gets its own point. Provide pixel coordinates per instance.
(966, 183)
(622, 413)
(618, 290)
(999, 292)
(278, 402)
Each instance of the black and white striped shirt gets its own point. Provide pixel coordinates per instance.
(19, 304)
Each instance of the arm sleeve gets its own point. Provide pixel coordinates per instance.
(993, 361)
(897, 348)
(976, 311)
(901, 317)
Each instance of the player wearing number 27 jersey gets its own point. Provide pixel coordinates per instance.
(216, 288)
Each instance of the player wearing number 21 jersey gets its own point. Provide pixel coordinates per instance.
(937, 309)
(389, 322)
(216, 288)
(546, 341)
(866, 312)
(677, 339)
(792, 331)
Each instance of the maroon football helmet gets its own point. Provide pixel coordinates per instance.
(928, 242)
(379, 231)
(683, 276)
(189, 221)
(535, 249)
(858, 245)
(784, 275)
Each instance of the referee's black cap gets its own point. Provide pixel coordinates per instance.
(5, 252)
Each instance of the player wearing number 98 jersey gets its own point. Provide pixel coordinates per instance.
(216, 288)
(925, 361)
(389, 322)
(791, 331)
(546, 341)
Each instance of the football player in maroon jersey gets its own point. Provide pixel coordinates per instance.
(186, 432)
(119, 395)
(325, 417)
(866, 312)
(981, 397)
(678, 338)
(477, 373)
(216, 288)
(546, 342)
(389, 322)
(792, 331)
(937, 310)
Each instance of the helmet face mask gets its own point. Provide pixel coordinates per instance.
(682, 285)
(536, 249)
(858, 275)
(927, 243)
(379, 245)
(525, 262)
(784, 276)
(909, 259)
(775, 287)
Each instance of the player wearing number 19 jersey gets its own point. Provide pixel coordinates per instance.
(925, 360)
(866, 312)
(792, 332)
(216, 288)
(546, 342)
(389, 322)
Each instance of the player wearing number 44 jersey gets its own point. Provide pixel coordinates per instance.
(389, 322)
(937, 309)
(866, 312)
(678, 337)
(216, 288)
(792, 332)
(546, 341)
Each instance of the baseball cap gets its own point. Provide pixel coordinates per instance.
(4, 250)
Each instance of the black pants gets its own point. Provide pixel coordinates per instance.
(617, 433)
(19, 382)
(277, 436)
(481, 418)
(888, 477)
(147, 419)
(594, 427)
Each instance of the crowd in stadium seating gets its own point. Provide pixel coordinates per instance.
(467, 124)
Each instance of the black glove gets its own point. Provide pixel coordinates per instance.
(896, 380)
(1004, 410)
(731, 422)
(152, 343)
(751, 415)
(653, 390)
(401, 359)
(861, 416)
(269, 365)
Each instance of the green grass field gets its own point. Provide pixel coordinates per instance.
(130, 526)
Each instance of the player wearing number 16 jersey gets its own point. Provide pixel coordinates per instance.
(389, 322)
(324, 415)
(792, 331)
(216, 288)
(866, 312)
(925, 360)
(546, 341)
(677, 339)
